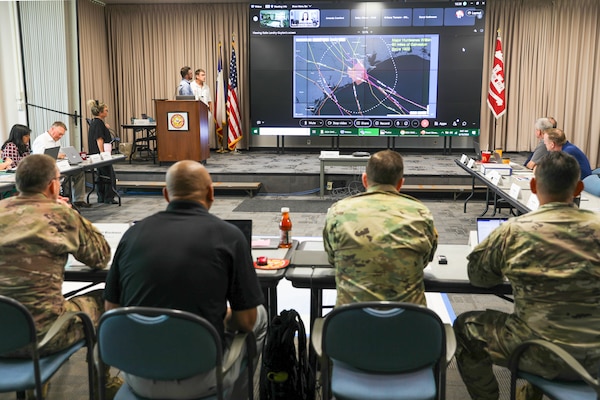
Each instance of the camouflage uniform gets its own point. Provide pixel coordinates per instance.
(552, 258)
(37, 236)
(379, 242)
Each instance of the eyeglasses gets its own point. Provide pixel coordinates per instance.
(60, 179)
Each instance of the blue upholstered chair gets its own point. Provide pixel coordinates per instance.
(591, 184)
(383, 350)
(17, 331)
(166, 344)
(586, 389)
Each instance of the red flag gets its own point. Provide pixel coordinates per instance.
(233, 109)
(497, 93)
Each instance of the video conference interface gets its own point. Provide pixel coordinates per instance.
(366, 69)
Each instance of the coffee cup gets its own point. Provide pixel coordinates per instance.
(83, 155)
(499, 151)
(485, 156)
(506, 160)
(107, 148)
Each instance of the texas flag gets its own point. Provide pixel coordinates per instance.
(220, 116)
(497, 93)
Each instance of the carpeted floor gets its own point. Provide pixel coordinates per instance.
(296, 206)
(450, 220)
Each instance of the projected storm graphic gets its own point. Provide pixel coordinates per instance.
(391, 75)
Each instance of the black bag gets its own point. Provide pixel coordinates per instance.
(286, 373)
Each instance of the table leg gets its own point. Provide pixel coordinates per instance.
(93, 172)
(270, 294)
(322, 179)
(113, 184)
(133, 146)
(316, 311)
(487, 201)
(470, 196)
(495, 204)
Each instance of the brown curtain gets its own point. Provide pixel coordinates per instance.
(148, 45)
(94, 74)
(551, 61)
(551, 58)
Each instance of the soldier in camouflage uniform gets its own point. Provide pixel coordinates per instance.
(39, 231)
(551, 256)
(380, 241)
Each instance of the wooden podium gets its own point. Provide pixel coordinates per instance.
(182, 130)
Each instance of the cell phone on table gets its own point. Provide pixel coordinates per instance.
(442, 260)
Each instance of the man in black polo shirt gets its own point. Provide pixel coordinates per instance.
(188, 259)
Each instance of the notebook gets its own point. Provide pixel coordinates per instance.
(244, 225)
(52, 152)
(72, 155)
(485, 226)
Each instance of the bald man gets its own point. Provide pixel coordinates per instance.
(188, 259)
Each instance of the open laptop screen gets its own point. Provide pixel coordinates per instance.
(52, 152)
(244, 225)
(485, 226)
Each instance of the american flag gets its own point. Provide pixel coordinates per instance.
(233, 108)
(220, 119)
(497, 94)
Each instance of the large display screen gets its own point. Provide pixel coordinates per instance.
(409, 68)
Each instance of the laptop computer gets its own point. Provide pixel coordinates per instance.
(52, 152)
(244, 225)
(485, 226)
(72, 155)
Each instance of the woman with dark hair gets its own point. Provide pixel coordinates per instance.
(98, 135)
(17, 145)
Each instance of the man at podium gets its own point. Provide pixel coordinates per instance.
(184, 88)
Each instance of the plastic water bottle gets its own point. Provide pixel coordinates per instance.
(285, 229)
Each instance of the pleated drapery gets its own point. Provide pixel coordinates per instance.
(551, 59)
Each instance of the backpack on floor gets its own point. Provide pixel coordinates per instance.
(286, 373)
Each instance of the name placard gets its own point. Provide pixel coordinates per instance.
(494, 177)
(63, 164)
(95, 157)
(514, 191)
(471, 163)
(464, 159)
(105, 155)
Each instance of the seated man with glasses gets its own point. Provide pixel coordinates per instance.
(39, 231)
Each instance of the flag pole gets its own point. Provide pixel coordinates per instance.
(497, 89)
(219, 117)
(234, 121)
